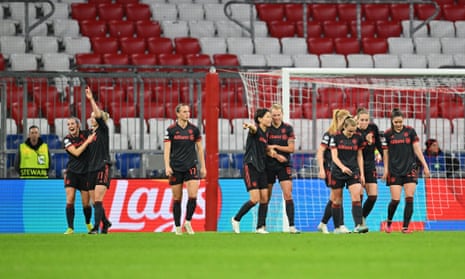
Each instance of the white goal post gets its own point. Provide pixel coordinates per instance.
(432, 101)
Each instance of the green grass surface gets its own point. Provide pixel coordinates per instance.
(226, 255)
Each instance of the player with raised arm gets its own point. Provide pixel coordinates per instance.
(255, 177)
(281, 138)
(182, 152)
(324, 163)
(401, 152)
(99, 164)
(347, 171)
(75, 144)
(371, 155)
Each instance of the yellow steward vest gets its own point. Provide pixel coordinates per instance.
(33, 163)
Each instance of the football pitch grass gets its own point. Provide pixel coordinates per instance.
(227, 255)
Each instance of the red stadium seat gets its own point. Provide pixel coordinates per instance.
(17, 111)
(399, 11)
(119, 62)
(170, 110)
(225, 60)
(173, 61)
(321, 112)
(199, 60)
(148, 28)
(118, 110)
(83, 59)
(93, 28)
(347, 46)
(56, 110)
(270, 12)
(375, 12)
(444, 2)
(83, 11)
(109, 94)
(374, 45)
(43, 94)
(105, 45)
(296, 111)
(453, 12)
(233, 110)
(294, 12)
(347, 12)
(127, 2)
(133, 91)
(335, 29)
(154, 110)
(451, 110)
(14, 94)
(158, 45)
(324, 12)
(424, 11)
(187, 45)
(386, 29)
(331, 95)
(280, 29)
(314, 29)
(137, 11)
(320, 45)
(110, 11)
(121, 28)
(99, 1)
(357, 97)
(88, 109)
(143, 59)
(368, 29)
(2, 63)
(131, 45)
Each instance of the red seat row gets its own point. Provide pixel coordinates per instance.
(120, 28)
(154, 45)
(347, 45)
(348, 12)
(111, 11)
(334, 29)
(87, 61)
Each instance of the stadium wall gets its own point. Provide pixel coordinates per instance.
(144, 205)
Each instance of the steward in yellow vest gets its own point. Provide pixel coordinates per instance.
(33, 158)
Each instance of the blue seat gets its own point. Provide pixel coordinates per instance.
(13, 141)
(225, 161)
(238, 161)
(52, 140)
(127, 161)
(59, 162)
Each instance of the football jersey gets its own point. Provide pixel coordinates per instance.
(279, 136)
(100, 147)
(183, 153)
(327, 153)
(255, 149)
(77, 164)
(347, 149)
(402, 158)
(369, 150)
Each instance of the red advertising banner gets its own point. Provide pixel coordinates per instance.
(145, 205)
(445, 199)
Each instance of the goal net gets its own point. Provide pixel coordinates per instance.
(432, 101)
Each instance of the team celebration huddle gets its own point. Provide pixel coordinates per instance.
(347, 157)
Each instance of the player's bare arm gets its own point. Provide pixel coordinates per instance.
(78, 151)
(200, 155)
(166, 157)
(95, 109)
